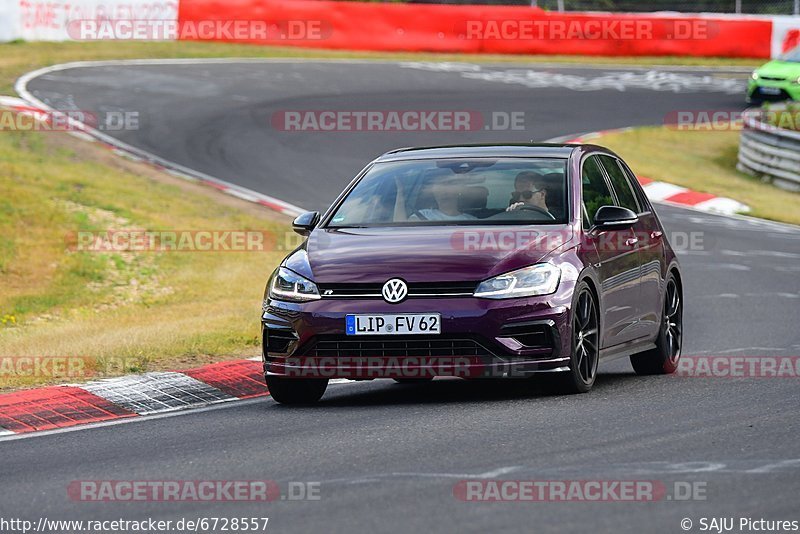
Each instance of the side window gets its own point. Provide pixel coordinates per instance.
(620, 184)
(640, 196)
(594, 189)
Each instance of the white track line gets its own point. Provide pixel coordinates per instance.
(366, 61)
(245, 193)
(21, 87)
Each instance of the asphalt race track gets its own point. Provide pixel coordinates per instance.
(225, 111)
(388, 456)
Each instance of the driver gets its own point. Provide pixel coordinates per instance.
(528, 191)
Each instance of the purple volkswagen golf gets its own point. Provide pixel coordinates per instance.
(477, 261)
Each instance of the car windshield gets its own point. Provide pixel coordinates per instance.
(792, 55)
(457, 191)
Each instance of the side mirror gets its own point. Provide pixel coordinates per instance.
(305, 222)
(614, 218)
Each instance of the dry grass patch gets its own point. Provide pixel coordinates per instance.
(704, 161)
(139, 311)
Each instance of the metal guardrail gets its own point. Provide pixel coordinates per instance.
(769, 152)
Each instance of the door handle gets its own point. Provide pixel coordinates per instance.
(655, 234)
(631, 241)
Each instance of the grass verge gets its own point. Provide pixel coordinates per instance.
(20, 57)
(116, 311)
(704, 161)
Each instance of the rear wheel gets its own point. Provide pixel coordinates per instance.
(585, 343)
(664, 358)
(296, 390)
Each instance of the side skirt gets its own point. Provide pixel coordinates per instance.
(626, 349)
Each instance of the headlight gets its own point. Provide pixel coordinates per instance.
(754, 76)
(290, 286)
(540, 279)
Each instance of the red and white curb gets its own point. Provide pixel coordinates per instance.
(57, 407)
(681, 196)
(670, 193)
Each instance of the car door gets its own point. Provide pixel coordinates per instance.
(618, 262)
(651, 253)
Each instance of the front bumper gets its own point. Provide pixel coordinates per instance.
(771, 91)
(479, 338)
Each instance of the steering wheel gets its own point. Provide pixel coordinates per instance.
(528, 207)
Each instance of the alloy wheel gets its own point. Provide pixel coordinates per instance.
(673, 321)
(585, 337)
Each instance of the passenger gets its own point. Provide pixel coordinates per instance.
(446, 193)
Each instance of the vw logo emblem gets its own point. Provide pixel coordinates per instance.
(394, 291)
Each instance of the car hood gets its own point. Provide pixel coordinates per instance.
(426, 254)
(780, 69)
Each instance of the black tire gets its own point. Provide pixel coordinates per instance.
(296, 390)
(664, 358)
(585, 353)
(420, 380)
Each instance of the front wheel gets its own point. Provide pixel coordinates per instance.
(664, 358)
(296, 390)
(585, 343)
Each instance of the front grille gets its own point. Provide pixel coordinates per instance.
(415, 290)
(782, 96)
(380, 346)
(772, 78)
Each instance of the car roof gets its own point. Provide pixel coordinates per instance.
(530, 150)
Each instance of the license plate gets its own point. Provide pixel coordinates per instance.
(383, 325)
(770, 90)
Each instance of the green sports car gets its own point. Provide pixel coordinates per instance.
(777, 80)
